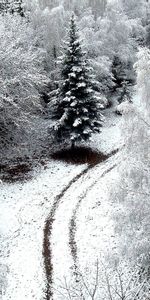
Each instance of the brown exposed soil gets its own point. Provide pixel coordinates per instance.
(73, 223)
(47, 247)
(21, 168)
(80, 155)
(16, 172)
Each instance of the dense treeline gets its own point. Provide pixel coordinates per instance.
(32, 35)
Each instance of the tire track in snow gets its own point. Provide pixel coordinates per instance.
(73, 225)
(47, 249)
(48, 228)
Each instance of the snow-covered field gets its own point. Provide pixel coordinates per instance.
(81, 232)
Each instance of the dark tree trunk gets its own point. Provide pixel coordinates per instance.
(72, 144)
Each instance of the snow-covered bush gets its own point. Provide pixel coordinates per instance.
(122, 282)
(21, 73)
(123, 107)
(143, 82)
(102, 70)
(132, 196)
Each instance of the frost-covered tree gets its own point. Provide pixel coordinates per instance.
(18, 7)
(21, 74)
(76, 110)
(111, 32)
(110, 47)
(124, 78)
(78, 6)
(49, 24)
(118, 44)
(98, 7)
(136, 9)
(133, 187)
(92, 43)
(3, 6)
(12, 6)
(143, 83)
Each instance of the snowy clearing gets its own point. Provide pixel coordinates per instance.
(25, 208)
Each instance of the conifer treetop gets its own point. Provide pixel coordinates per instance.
(76, 109)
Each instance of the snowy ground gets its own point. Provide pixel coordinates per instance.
(81, 227)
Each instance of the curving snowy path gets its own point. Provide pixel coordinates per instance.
(76, 229)
(24, 208)
(60, 246)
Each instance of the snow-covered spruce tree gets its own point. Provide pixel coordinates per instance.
(75, 108)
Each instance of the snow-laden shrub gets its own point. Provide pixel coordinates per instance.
(107, 282)
(102, 70)
(133, 189)
(143, 82)
(123, 107)
(21, 73)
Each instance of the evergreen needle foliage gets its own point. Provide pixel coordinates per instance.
(76, 109)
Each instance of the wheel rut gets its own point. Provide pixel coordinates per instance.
(73, 223)
(48, 227)
(47, 249)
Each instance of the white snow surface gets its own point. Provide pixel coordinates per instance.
(24, 208)
(77, 122)
(82, 84)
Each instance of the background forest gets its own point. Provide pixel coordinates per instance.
(32, 37)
